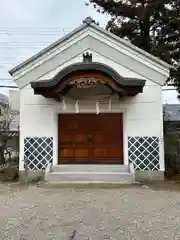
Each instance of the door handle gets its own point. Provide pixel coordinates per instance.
(89, 138)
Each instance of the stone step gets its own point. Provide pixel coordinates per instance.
(123, 177)
(90, 168)
(85, 184)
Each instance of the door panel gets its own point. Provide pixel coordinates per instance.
(67, 153)
(114, 152)
(81, 152)
(66, 138)
(90, 138)
(100, 152)
(80, 138)
(99, 137)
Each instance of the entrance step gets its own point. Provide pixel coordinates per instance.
(85, 184)
(90, 168)
(121, 177)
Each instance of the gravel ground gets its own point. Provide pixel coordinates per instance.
(136, 213)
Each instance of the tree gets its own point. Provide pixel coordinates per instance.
(7, 116)
(152, 25)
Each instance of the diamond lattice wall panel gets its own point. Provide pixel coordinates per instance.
(38, 152)
(143, 152)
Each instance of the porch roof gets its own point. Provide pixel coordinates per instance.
(59, 85)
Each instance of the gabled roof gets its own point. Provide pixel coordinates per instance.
(86, 23)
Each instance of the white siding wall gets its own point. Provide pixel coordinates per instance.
(142, 113)
(14, 99)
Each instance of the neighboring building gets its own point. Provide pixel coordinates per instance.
(91, 103)
(14, 99)
(3, 99)
(172, 118)
(171, 138)
(6, 101)
(172, 112)
(13, 131)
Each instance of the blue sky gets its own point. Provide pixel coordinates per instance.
(27, 26)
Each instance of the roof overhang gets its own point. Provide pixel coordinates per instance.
(61, 83)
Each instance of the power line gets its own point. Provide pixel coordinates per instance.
(2, 86)
(22, 47)
(35, 28)
(6, 30)
(36, 33)
(169, 89)
(23, 42)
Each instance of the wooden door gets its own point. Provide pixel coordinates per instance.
(90, 139)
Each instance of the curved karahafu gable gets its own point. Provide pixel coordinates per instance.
(87, 74)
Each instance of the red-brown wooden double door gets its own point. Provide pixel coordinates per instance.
(90, 138)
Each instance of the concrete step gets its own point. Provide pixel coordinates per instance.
(85, 184)
(90, 168)
(123, 177)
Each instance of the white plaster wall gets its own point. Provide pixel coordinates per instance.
(142, 116)
(36, 120)
(142, 113)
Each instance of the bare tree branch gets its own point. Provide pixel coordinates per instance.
(6, 118)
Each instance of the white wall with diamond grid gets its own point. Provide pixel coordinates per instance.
(143, 152)
(38, 152)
